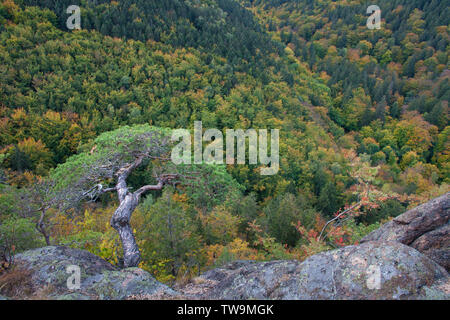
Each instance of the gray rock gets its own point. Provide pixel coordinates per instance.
(348, 273)
(436, 245)
(73, 296)
(387, 269)
(425, 228)
(49, 266)
(412, 224)
(99, 279)
(438, 291)
(123, 284)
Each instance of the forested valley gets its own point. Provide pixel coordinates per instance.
(363, 119)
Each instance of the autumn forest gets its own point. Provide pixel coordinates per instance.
(363, 117)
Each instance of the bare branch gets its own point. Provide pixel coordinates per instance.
(146, 188)
(338, 217)
(359, 203)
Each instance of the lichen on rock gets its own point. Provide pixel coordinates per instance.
(98, 278)
(425, 228)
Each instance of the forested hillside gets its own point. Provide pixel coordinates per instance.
(403, 63)
(220, 27)
(375, 76)
(363, 119)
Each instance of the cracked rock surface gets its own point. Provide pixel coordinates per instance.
(373, 270)
(406, 258)
(98, 278)
(425, 228)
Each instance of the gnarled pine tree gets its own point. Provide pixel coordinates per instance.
(105, 166)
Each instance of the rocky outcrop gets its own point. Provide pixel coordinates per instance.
(124, 284)
(48, 266)
(407, 261)
(374, 270)
(436, 245)
(98, 279)
(425, 228)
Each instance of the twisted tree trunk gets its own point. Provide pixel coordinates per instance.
(122, 216)
(41, 227)
(121, 222)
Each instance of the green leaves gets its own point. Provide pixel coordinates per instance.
(20, 233)
(212, 185)
(100, 159)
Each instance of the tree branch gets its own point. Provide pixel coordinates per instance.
(162, 180)
(146, 188)
(359, 203)
(338, 217)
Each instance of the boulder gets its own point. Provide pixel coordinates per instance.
(436, 245)
(124, 284)
(48, 266)
(98, 279)
(425, 228)
(73, 296)
(373, 270)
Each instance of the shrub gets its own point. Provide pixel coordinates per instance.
(17, 235)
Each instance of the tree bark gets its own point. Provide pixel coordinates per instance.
(122, 216)
(121, 222)
(40, 225)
